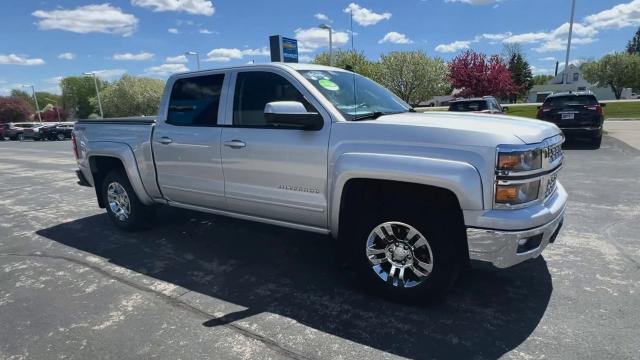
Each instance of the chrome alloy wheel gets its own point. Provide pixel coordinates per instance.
(399, 254)
(118, 201)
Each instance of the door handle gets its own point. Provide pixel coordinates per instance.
(235, 144)
(165, 140)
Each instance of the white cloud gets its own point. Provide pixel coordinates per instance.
(549, 58)
(395, 38)
(541, 71)
(165, 69)
(453, 47)
(67, 56)
(364, 16)
(110, 74)
(322, 17)
(13, 59)
(196, 7)
(475, 2)
(225, 54)
(314, 38)
(180, 59)
(102, 18)
(619, 16)
(305, 59)
(494, 37)
(205, 31)
(172, 30)
(142, 56)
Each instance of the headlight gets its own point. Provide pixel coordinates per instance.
(518, 193)
(520, 160)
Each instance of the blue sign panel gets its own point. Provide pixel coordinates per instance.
(289, 50)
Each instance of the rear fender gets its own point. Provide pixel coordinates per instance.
(125, 154)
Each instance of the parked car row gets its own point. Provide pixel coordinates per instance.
(577, 114)
(36, 131)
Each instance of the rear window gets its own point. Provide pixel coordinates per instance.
(558, 101)
(463, 106)
(195, 101)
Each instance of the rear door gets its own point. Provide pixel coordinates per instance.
(274, 173)
(186, 142)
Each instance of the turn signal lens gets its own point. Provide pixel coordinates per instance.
(517, 194)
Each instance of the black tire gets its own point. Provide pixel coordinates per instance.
(442, 228)
(60, 136)
(20, 137)
(139, 215)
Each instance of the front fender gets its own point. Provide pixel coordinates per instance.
(125, 154)
(461, 178)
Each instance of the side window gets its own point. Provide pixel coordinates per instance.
(257, 88)
(195, 101)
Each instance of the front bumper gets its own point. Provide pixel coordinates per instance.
(504, 248)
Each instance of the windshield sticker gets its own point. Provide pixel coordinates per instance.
(315, 75)
(329, 85)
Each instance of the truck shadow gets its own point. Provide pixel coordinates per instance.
(294, 274)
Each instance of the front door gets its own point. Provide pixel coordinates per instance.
(186, 143)
(274, 173)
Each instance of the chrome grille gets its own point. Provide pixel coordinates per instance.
(553, 152)
(551, 185)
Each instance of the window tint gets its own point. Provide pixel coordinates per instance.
(463, 106)
(194, 101)
(257, 88)
(558, 101)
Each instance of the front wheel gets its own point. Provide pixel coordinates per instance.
(60, 136)
(123, 205)
(406, 254)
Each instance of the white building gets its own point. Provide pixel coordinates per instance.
(575, 82)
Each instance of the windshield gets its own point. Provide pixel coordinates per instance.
(463, 106)
(354, 95)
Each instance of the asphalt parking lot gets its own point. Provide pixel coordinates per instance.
(202, 286)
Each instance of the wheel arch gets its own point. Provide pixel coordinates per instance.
(109, 156)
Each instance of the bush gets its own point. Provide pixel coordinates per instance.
(14, 109)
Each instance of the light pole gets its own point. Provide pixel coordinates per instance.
(95, 82)
(327, 27)
(56, 106)
(33, 90)
(565, 79)
(193, 53)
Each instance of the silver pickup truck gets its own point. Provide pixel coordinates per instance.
(410, 197)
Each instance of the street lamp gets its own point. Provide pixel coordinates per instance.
(565, 79)
(33, 90)
(56, 107)
(327, 27)
(193, 53)
(95, 82)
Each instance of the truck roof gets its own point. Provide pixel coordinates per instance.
(294, 66)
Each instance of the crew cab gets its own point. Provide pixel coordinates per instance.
(410, 197)
(576, 114)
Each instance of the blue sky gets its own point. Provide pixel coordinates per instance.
(41, 41)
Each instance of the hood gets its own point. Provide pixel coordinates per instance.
(495, 129)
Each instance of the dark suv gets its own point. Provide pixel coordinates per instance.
(486, 104)
(576, 114)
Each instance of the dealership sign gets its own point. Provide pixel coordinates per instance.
(283, 49)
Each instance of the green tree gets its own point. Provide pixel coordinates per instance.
(618, 71)
(131, 96)
(633, 47)
(521, 75)
(541, 79)
(413, 76)
(76, 92)
(349, 59)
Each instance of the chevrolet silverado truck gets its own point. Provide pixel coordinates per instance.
(410, 197)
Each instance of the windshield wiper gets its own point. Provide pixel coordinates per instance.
(374, 115)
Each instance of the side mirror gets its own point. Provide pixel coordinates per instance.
(505, 109)
(603, 104)
(292, 114)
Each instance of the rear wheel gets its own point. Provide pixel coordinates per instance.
(20, 137)
(123, 206)
(60, 136)
(404, 252)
